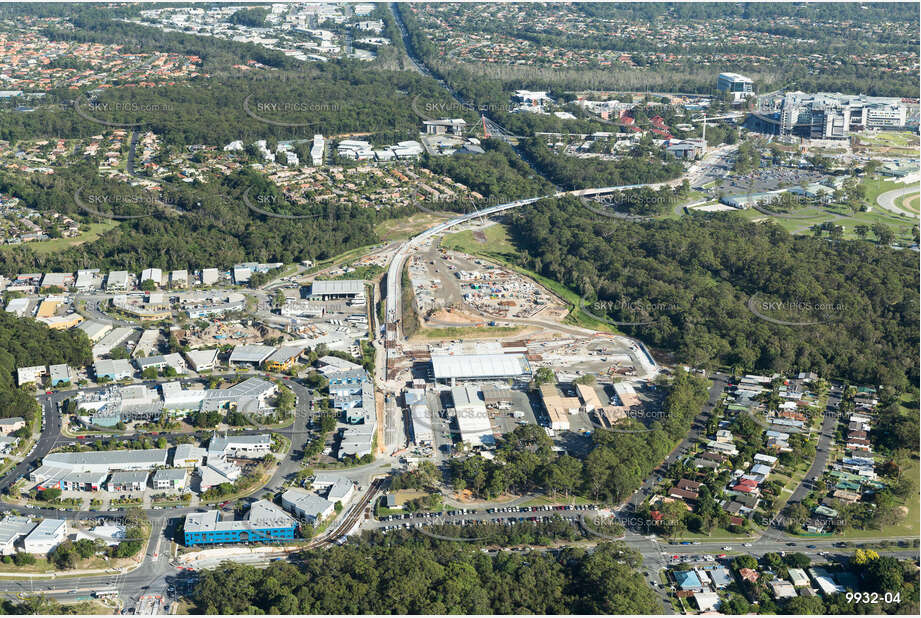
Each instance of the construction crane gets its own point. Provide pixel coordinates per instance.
(705, 119)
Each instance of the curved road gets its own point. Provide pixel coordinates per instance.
(888, 199)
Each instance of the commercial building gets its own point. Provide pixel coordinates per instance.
(46, 536)
(13, 528)
(449, 368)
(358, 440)
(558, 408)
(454, 126)
(152, 274)
(252, 355)
(421, 416)
(738, 86)
(284, 358)
(129, 480)
(245, 446)
(113, 369)
(111, 341)
(18, 306)
(77, 481)
(337, 290)
(48, 307)
(301, 308)
(264, 523)
(30, 375)
(9, 425)
(344, 383)
(218, 472)
(95, 331)
(60, 374)
(62, 322)
(117, 280)
(86, 280)
(161, 362)
(210, 276)
(333, 364)
(201, 360)
(101, 461)
(58, 280)
(342, 491)
(171, 478)
(189, 456)
(308, 506)
(358, 406)
(472, 416)
(250, 396)
(215, 309)
(179, 279)
(626, 394)
(830, 115)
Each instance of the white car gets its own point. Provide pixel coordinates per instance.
(727, 548)
(746, 544)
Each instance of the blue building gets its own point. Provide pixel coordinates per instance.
(265, 523)
(344, 383)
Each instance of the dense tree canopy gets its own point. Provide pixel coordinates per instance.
(429, 577)
(716, 289)
(25, 343)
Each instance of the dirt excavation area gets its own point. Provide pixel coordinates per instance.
(452, 288)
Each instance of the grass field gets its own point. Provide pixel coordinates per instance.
(405, 227)
(56, 245)
(876, 186)
(805, 218)
(910, 203)
(907, 528)
(496, 241)
(891, 138)
(467, 332)
(339, 259)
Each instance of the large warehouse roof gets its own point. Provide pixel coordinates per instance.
(341, 287)
(480, 366)
(112, 460)
(250, 353)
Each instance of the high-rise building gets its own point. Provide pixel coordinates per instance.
(737, 85)
(830, 116)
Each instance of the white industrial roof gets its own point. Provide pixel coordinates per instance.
(113, 459)
(341, 286)
(117, 277)
(250, 353)
(286, 352)
(201, 357)
(166, 474)
(480, 366)
(308, 503)
(14, 526)
(47, 530)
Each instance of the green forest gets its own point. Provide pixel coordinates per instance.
(703, 286)
(25, 343)
(432, 577)
(328, 98)
(645, 164)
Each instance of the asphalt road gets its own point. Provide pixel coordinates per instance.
(826, 438)
(698, 426)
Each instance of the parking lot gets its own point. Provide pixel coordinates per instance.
(501, 515)
(769, 179)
